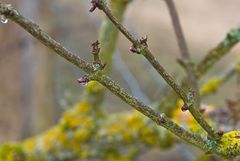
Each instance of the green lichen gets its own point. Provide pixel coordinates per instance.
(232, 37)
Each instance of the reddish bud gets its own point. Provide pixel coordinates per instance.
(83, 80)
(133, 49)
(184, 107)
(220, 133)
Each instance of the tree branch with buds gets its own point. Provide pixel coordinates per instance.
(216, 143)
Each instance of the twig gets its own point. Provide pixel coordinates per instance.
(224, 47)
(160, 119)
(141, 47)
(184, 50)
(194, 109)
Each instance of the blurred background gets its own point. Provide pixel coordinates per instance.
(36, 87)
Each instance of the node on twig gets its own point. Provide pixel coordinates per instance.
(96, 4)
(142, 43)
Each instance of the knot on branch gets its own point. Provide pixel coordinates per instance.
(140, 45)
(96, 4)
(97, 64)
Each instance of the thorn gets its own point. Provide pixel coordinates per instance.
(184, 107)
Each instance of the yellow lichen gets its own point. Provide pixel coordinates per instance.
(83, 107)
(29, 145)
(82, 134)
(230, 144)
(93, 86)
(210, 86)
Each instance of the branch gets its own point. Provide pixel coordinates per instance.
(184, 51)
(207, 63)
(224, 47)
(160, 119)
(189, 68)
(141, 47)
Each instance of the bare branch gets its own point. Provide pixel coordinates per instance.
(141, 47)
(224, 47)
(160, 119)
